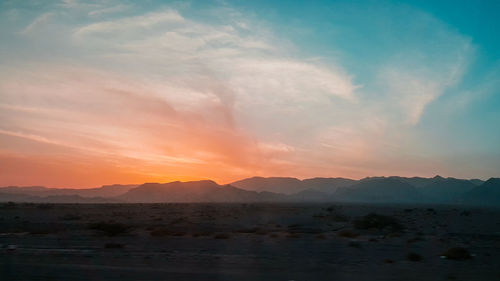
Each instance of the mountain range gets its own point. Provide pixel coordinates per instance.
(436, 190)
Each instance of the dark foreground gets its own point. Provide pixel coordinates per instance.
(247, 242)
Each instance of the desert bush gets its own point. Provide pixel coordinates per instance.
(414, 239)
(293, 235)
(10, 205)
(321, 236)
(347, 234)
(465, 213)
(414, 257)
(248, 230)
(432, 211)
(457, 253)
(71, 217)
(110, 228)
(166, 232)
(336, 214)
(354, 244)
(222, 236)
(113, 246)
(376, 221)
(45, 206)
(202, 233)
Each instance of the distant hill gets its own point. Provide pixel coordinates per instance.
(486, 194)
(379, 190)
(16, 197)
(436, 190)
(327, 185)
(272, 184)
(194, 191)
(106, 191)
(449, 190)
(292, 185)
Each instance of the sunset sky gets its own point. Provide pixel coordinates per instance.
(102, 92)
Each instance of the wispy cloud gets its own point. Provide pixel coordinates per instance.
(163, 92)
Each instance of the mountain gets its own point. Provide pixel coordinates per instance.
(419, 181)
(17, 197)
(292, 185)
(486, 194)
(449, 190)
(476, 181)
(379, 190)
(106, 191)
(193, 191)
(275, 189)
(327, 185)
(273, 184)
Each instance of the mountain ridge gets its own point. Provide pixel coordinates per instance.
(393, 189)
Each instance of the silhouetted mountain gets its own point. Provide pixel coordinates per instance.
(379, 190)
(449, 190)
(272, 184)
(258, 189)
(17, 197)
(40, 191)
(23, 189)
(419, 181)
(486, 194)
(292, 185)
(194, 191)
(327, 185)
(477, 181)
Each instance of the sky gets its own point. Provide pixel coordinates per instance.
(103, 92)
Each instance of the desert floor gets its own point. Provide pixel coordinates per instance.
(247, 242)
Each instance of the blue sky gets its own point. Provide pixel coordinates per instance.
(298, 88)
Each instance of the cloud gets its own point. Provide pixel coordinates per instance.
(130, 24)
(39, 21)
(109, 10)
(162, 95)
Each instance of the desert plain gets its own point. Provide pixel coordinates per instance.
(248, 241)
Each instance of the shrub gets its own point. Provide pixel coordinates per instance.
(248, 230)
(321, 236)
(354, 244)
(113, 246)
(45, 206)
(71, 217)
(376, 221)
(457, 253)
(414, 257)
(166, 232)
(200, 234)
(10, 204)
(293, 235)
(110, 229)
(222, 236)
(347, 234)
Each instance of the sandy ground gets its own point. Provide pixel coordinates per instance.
(245, 242)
